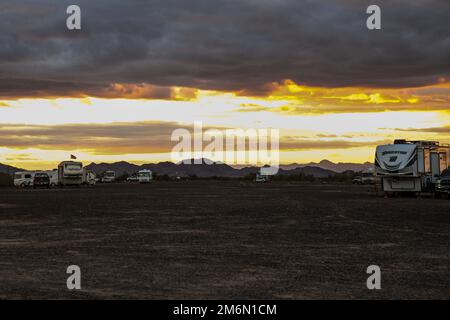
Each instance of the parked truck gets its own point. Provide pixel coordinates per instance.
(411, 166)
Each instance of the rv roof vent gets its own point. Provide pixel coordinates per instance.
(400, 141)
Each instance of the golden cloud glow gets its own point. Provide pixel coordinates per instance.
(340, 124)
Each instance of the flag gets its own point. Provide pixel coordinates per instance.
(72, 156)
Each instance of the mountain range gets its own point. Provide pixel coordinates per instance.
(336, 167)
(221, 169)
(9, 169)
(324, 168)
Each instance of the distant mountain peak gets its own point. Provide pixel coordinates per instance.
(9, 169)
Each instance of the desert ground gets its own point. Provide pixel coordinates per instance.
(222, 240)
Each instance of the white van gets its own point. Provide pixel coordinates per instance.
(109, 177)
(53, 175)
(145, 176)
(24, 179)
(89, 177)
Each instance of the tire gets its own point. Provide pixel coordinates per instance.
(23, 185)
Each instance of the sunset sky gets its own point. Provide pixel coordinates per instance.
(138, 70)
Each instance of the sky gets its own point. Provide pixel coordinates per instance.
(138, 70)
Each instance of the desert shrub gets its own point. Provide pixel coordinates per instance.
(294, 177)
(123, 177)
(161, 177)
(249, 177)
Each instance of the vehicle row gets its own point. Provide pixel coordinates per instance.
(72, 173)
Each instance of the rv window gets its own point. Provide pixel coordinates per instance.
(73, 166)
(17, 176)
(28, 176)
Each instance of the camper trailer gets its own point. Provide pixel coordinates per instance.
(411, 166)
(366, 177)
(70, 173)
(53, 175)
(89, 177)
(145, 176)
(261, 177)
(24, 179)
(108, 177)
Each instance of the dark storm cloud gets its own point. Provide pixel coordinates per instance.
(224, 45)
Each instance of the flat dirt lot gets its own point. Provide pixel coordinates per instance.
(222, 240)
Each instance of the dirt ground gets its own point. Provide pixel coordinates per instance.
(222, 240)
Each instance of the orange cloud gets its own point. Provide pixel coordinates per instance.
(300, 99)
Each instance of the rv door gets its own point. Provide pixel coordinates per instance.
(435, 166)
(420, 160)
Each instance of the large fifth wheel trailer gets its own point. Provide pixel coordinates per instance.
(411, 166)
(70, 173)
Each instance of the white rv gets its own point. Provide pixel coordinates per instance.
(70, 173)
(145, 176)
(411, 166)
(109, 176)
(366, 177)
(89, 177)
(261, 177)
(53, 175)
(24, 179)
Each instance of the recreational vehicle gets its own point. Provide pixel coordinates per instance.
(109, 176)
(24, 179)
(443, 184)
(53, 175)
(145, 176)
(411, 166)
(70, 173)
(89, 177)
(366, 177)
(260, 177)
